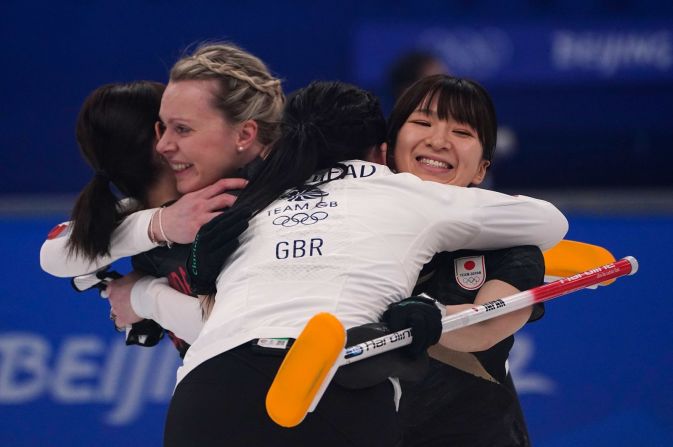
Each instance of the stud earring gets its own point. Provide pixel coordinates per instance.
(240, 149)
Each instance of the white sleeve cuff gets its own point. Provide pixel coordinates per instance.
(142, 298)
(132, 235)
(154, 299)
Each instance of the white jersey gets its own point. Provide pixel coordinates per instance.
(151, 297)
(128, 239)
(352, 247)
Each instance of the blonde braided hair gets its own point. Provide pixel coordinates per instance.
(246, 88)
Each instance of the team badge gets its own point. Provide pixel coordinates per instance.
(57, 230)
(470, 272)
(305, 192)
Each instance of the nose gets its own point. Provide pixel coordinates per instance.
(164, 143)
(439, 139)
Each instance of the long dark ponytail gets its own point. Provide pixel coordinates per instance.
(115, 133)
(323, 124)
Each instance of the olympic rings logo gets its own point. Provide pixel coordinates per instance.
(471, 280)
(300, 218)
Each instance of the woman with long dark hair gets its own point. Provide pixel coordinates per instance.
(115, 133)
(116, 138)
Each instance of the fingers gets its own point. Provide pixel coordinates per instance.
(198, 206)
(119, 290)
(119, 326)
(418, 327)
(221, 201)
(220, 186)
(184, 218)
(426, 329)
(123, 314)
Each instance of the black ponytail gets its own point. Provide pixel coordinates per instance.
(323, 124)
(95, 216)
(115, 133)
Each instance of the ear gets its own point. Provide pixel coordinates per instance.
(247, 134)
(481, 172)
(158, 130)
(377, 154)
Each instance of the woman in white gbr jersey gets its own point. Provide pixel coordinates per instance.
(349, 244)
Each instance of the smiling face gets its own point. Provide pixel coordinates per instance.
(443, 151)
(443, 129)
(196, 140)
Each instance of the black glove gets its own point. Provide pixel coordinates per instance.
(377, 369)
(421, 315)
(213, 244)
(145, 333)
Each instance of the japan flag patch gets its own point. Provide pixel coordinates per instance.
(470, 272)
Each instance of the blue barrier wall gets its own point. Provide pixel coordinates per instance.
(595, 371)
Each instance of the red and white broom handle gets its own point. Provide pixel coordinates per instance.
(496, 308)
(555, 289)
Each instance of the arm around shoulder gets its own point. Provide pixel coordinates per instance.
(129, 238)
(556, 225)
(508, 221)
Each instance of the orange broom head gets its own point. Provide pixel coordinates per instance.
(568, 258)
(309, 363)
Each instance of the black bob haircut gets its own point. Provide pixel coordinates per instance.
(462, 100)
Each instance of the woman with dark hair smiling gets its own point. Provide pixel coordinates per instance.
(443, 129)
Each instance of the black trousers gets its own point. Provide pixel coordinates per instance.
(461, 410)
(222, 403)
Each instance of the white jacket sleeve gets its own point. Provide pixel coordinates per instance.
(508, 221)
(128, 239)
(154, 299)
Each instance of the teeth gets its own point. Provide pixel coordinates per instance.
(180, 166)
(433, 163)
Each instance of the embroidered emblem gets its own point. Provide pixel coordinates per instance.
(306, 192)
(470, 272)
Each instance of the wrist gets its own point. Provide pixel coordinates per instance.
(153, 229)
(156, 231)
(161, 229)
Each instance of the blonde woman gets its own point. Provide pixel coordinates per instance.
(219, 113)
